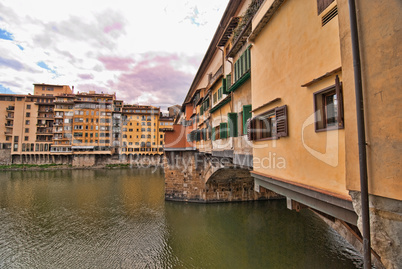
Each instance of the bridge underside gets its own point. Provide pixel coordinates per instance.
(194, 177)
(299, 196)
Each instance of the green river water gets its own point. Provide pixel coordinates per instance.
(118, 218)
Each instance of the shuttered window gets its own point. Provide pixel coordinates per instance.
(246, 116)
(270, 125)
(328, 108)
(232, 122)
(224, 86)
(220, 93)
(223, 129)
(213, 133)
(228, 81)
(242, 65)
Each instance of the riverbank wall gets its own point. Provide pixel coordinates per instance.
(80, 160)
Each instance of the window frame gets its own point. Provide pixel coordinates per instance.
(320, 108)
(281, 119)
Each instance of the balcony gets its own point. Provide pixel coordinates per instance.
(48, 110)
(9, 117)
(45, 132)
(8, 133)
(47, 117)
(10, 108)
(44, 139)
(8, 125)
(213, 78)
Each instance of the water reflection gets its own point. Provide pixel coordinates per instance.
(118, 219)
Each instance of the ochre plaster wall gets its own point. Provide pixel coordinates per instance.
(293, 49)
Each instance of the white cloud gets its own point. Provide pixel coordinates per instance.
(71, 36)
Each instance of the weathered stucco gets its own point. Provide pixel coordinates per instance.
(284, 57)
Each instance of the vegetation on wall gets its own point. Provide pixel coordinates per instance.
(247, 16)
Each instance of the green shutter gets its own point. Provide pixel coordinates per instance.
(249, 59)
(241, 65)
(246, 116)
(202, 109)
(236, 73)
(232, 124)
(213, 133)
(223, 130)
(224, 87)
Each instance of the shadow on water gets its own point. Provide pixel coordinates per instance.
(118, 218)
(260, 234)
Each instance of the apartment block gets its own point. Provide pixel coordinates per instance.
(56, 125)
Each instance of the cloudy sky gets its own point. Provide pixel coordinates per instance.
(146, 51)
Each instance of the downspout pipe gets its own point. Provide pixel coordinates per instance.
(361, 132)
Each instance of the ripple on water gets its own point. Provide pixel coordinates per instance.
(119, 219)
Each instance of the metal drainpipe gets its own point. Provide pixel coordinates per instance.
(361, 135)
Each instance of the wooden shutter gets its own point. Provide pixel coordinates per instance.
(246, 116)
(224, 86)
(235, 72)
(223, 130)
(338, 91)
(232, 122)
(281, 121)
(249, 131)
(202, 109)
(249, 59)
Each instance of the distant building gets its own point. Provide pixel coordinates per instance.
(174, 110)
(55, 124)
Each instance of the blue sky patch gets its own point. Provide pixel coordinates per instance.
(6, 35)
(5, 90)
(43, 65)
(21, 47)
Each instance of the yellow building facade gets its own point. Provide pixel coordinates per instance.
(55, 124)
(275, 92)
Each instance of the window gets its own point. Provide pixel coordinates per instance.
(27, 122)
(328, 108)
(269, 125)
(322, 5)
(246, 115)
(27, 114)
(28, 106)
(242, 65)
(232, 124)
(26, 130)
(26, 138)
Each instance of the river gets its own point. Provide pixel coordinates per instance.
(118, 218)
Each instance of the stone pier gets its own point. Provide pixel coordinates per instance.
(197, 177)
